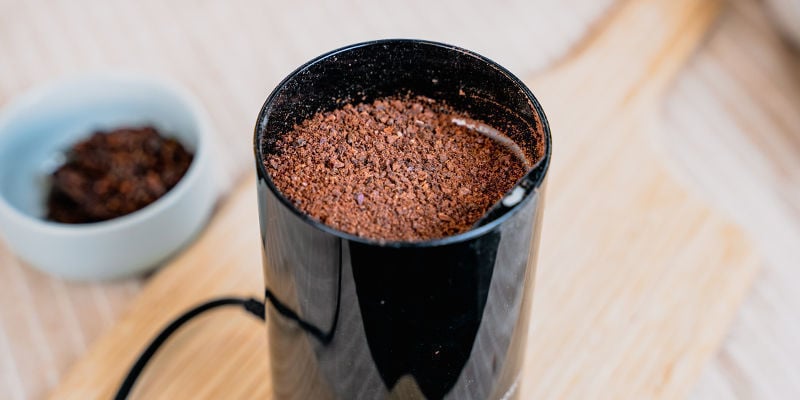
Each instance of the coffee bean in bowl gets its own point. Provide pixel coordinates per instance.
(115, 173)
(117, 217)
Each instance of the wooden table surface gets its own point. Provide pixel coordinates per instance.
(741, 111)
(732, 120)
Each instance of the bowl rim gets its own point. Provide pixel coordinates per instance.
(31, 97)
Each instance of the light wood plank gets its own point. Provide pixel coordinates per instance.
(734, 112)
(638, 279)
(229, 54)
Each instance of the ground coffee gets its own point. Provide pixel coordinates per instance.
(398, 169)
(115, 173)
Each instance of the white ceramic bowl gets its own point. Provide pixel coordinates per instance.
(35, 132)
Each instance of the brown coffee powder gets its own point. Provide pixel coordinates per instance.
(115, 173)
(394, 170)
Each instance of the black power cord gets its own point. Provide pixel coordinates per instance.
(251, 305)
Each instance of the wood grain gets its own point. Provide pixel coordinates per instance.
(734, 112)
(638, 279)
(600, 270)
(229, 54)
